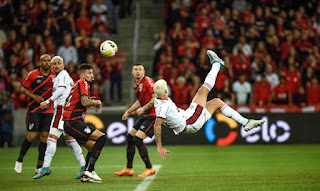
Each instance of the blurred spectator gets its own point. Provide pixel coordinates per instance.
(84, 22)
(6, 118)
(19, 99)
(262, 92)
(313, 92)
(67, 51)
(225, 94)
(293, 79)
(281, 94)
(242, 90)
(100, 33)
(117, 62)
(300, 97)
(242, 46)
(99, 10)
(181, 93)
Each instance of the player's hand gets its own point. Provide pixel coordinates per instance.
(38, 98)
(125, 115)
(139, 111)
(43, 104)
(163, 152)
(97, 107)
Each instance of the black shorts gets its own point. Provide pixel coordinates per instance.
(145, 124)
(78, 130)
(38, 122)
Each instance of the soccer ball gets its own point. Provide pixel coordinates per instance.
(108, 48)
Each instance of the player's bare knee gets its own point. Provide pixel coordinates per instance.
(218, 103)
(31, 137)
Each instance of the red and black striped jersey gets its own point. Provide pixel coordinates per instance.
(143, 92)
(41, 85)
(74, 108)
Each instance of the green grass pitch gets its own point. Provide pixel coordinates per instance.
(250, 167)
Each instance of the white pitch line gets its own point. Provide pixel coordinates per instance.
(145, 183)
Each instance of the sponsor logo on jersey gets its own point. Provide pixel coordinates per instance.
(87, 130)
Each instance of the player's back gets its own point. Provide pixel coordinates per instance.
(172, 115)
(63, 79)
(143, 92)
(73, 107)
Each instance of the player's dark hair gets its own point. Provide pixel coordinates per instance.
(138, 64)
(84, 67)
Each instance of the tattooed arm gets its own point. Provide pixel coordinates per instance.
(85, 101)
(157, 132)
(146, 107)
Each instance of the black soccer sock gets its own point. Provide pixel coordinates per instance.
(130, 150)
(88, 157)
(24, 148)
(142, 151)
(96, 153)
(42, 151)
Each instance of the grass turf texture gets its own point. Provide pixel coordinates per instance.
(251, 167)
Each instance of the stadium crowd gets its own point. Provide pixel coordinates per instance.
(270, 48)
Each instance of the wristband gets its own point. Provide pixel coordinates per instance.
(47, 101)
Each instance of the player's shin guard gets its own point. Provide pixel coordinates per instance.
(24, 148)
(95, 153)
(77, 151)
(50, 151)
(130, 150)
(142, 151)
(42, 150)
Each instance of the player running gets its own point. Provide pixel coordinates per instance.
(199, 112)
(143, 127)
(38, 87)
(62, 85)
(73, 116)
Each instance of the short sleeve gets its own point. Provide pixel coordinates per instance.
(83, 88)
(150, 85)
(161, 111)
(28, 81)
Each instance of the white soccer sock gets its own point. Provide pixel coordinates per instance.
(77, 151)
(233, 114)
(50, 151)
(211, 76)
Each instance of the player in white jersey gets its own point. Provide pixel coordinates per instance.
(199, 112)
(62, 85)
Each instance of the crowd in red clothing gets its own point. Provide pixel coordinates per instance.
(71, 29)
(273, 44)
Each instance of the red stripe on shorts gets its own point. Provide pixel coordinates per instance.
(195, 115)
(149, 127)
(57, 117)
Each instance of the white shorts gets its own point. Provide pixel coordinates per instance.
(56, 127)
(196, 116)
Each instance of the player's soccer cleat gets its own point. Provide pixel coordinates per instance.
(147, 172)
(79, 174)
(125, 172)
(87, 179)
(45, 171)
(37, 170)
(93, 175)
(253, 124)
(214, 58)
(18, 167)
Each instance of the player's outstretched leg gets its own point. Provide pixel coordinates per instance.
(128, 170)
(226, 110)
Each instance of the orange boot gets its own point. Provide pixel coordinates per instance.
(147, 172)
(125, 172)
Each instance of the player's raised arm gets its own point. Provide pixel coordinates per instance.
(134, 107)
(157, 132)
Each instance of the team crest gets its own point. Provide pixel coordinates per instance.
(31, 125)
(87, 130)
(140, 87)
